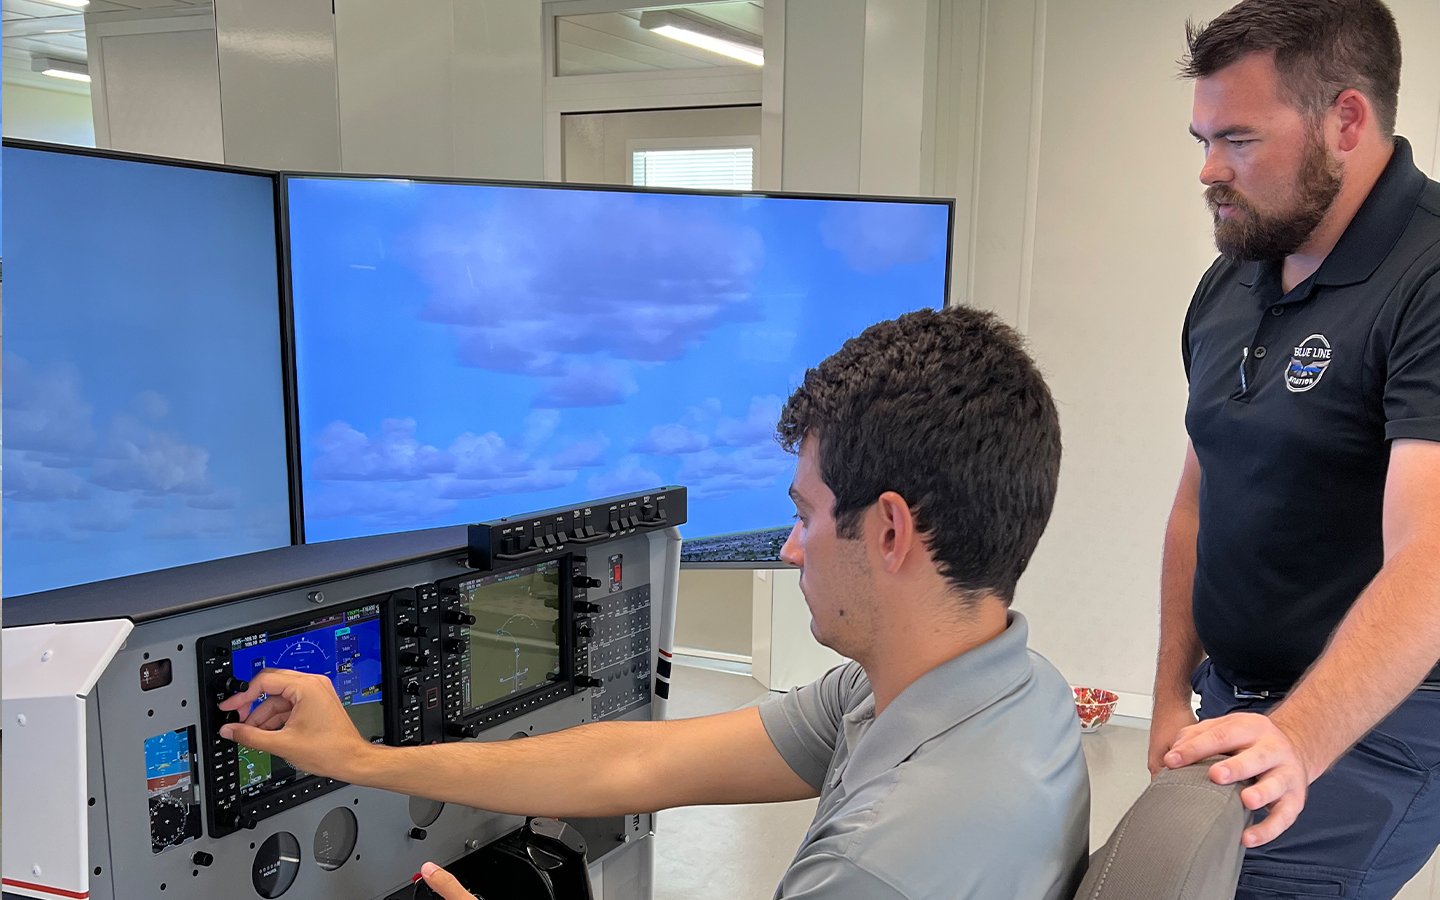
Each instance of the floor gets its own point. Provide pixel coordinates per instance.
(733, 852)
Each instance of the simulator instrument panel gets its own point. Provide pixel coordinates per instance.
(118, 785)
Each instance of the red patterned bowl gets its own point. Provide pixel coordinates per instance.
(1094, 706)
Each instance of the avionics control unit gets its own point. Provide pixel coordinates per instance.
(440, 635)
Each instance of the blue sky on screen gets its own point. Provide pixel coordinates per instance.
(466, 351)
(143, 416)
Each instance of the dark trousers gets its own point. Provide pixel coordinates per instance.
(1369, 824)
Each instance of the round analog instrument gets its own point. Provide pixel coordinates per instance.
(277, 862)
(424, 812)
(335, 838)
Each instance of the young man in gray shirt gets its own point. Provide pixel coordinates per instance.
(946, 757)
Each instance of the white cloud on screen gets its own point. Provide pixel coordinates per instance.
(386, 505)
(758, 426)
(598, 383)
(348, 454)
(395, 479)
(151, 405)
(722, 454)
(587, 452)
(69, 472)
(45, 409)
(630, 474)
(583, 279)
(668, 440)
(874, 237)
(136, 457)
(26, 478)
(540, 426)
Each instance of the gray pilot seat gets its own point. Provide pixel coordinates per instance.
(1179, 841)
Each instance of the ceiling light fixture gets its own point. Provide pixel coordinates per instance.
(705, 34)
(73, 4)
(60, 68)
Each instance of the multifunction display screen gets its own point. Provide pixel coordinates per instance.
(344, 646)
(515, 641)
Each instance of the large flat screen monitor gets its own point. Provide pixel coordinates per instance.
(464, 349)
(144, 422)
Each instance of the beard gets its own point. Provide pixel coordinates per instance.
(1254, 235)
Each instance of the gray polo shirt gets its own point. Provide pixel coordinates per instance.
(970, 784)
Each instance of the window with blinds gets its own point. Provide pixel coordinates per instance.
(710, 168)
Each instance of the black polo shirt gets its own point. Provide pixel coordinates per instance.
(1294, 399)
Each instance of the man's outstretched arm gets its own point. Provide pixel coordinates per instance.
(1385, 646)
(606, 768)
(1180, 650)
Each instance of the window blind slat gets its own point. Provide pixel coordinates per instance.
(723, 168)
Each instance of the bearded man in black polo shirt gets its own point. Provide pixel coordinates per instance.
(1302, 557)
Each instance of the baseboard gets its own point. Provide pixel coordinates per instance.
(1131, 711)
(702, 653)
(715, 660)
(1134, 706)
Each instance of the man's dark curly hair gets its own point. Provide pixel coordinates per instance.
(947, 410)
(1321, 47)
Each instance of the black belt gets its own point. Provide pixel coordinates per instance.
(1243, 694)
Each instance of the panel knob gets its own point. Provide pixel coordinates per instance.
(201, 858)
(410, 629)
(417, 833)
(585, 606)
(236, 819)
(412, 687)
(585, 681)
(582, 582)
(414, 660)
(463, 729)
(230, 685)
(454, 645)
(457, 617)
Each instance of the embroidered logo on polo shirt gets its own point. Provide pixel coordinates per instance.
(1308, 364)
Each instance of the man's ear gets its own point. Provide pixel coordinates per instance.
(895, 533)
(1353, 114)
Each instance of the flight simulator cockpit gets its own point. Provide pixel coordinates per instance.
(118, 785)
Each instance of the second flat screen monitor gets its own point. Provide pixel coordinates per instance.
(467, 350)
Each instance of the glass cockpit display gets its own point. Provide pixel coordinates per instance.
(173, 795)
(344, 646)
(515, 641)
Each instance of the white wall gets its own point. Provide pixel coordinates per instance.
(279, 96)
(447, 87)
(39, 115)
(455, 91)
(714, 611)
(155, 83)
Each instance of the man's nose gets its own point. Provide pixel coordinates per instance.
(1216, 170)
(791, 552)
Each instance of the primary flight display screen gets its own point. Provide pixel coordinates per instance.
(515, 641)
(344, 646)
